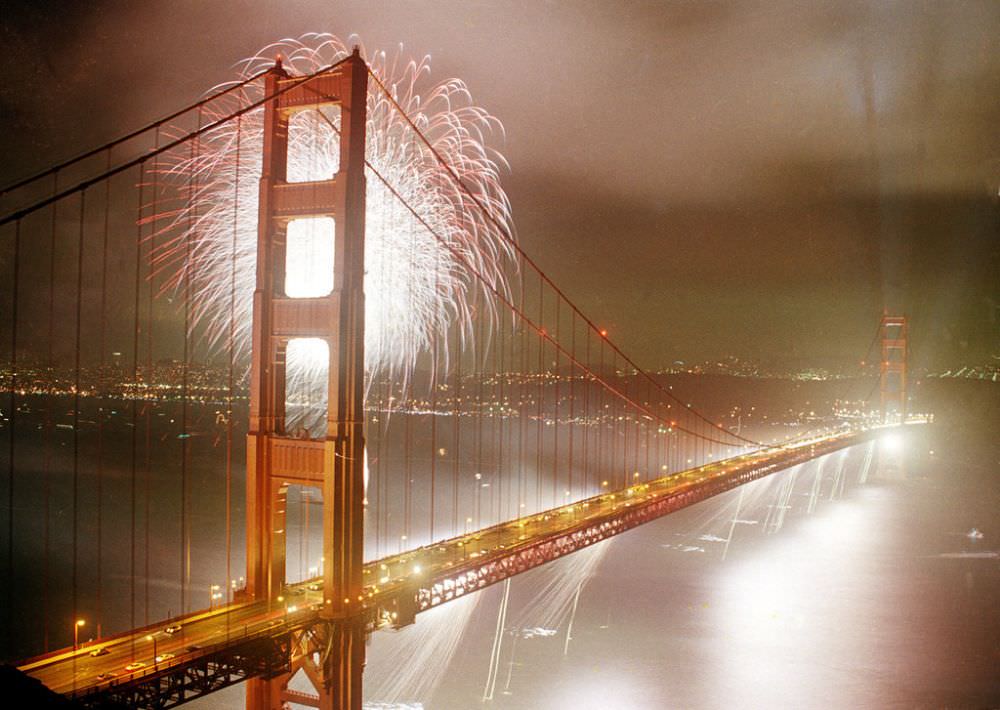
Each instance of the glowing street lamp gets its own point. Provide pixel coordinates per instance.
(214, 595)
(76, 632)
(151, 637)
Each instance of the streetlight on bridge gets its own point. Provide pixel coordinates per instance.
(76, 632)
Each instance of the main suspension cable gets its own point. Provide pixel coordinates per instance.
(505, 234)
(84, 184)
(539, 329)
(542, 332)
(129, 136)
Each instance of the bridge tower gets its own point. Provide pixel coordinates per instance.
(892, 379)
(331, 654)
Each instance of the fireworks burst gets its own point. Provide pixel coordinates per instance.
(415, 287)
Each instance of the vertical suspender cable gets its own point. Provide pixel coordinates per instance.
(555, 428)
(500, 418)
(435, 365)
(613, 429)
(410, 414)
(192, 191)
(572, 404)
(456, 416)
(478, 370)
(11, 446)
(589, 417)
(135, 398)
(49, 444)
(376, 474)
(641, 440)
(522, 404)
(231, 347)
(103, 378)
(649, 434)
(489, 422)
(408, 470)
(601, 422)
(539, 446)
(76, 404)
(149, 396)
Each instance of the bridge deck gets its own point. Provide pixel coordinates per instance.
(226, 642)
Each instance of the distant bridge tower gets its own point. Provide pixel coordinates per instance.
(892, 380)
(331, 655)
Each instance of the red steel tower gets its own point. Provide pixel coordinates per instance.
(892, 381)
(330, 654)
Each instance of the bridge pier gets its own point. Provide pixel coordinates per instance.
(292, 305)
(331, 657)
(345, 665)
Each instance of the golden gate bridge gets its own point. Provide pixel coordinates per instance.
(529, 403)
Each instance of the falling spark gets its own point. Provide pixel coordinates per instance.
(555, 587)
(407, 666)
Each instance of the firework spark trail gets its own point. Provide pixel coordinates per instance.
(407, 666)
(782, 502)
(416, 288)
(817, 482)
(715, 523)
(866, 466)
(554, 586)
(768, 501)
(555, 590)
(765, 502)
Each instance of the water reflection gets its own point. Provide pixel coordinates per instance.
(791, 608)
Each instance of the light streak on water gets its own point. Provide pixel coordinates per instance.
(786, 598)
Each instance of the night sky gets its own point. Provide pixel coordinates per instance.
(704, 179)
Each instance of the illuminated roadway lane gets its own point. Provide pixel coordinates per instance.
(413, 581)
